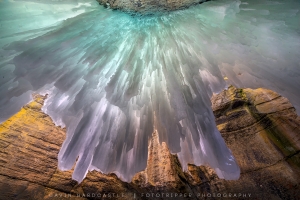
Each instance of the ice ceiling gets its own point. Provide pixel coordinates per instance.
(115, 78)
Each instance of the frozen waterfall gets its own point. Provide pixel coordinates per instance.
(114, 78)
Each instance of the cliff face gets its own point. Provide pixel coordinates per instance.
(262, 130)
(148, 5)
(259, 126)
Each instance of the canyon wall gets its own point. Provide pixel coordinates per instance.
(259, 126)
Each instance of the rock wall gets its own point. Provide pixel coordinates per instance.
(143, 6)
(259, 126)
(262, 130)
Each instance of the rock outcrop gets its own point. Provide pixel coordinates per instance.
(145, 6)
(262, 130)
(259, 126)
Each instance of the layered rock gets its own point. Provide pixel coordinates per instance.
(144, 6)
(262, 130)
(30, 143)
(259, 126)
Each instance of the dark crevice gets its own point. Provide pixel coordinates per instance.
(281, 160)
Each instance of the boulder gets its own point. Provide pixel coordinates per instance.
(148, 6)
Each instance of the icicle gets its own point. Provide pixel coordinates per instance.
(114, 78)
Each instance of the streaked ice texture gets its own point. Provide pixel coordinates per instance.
(113, 78)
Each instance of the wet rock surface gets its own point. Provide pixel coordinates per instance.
(145, 6)
(260, 127)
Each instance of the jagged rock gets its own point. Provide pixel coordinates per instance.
(144, 6)
(259, 126)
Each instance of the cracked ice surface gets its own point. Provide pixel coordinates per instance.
(114, 78)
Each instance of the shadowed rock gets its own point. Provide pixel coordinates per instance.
(147, 6)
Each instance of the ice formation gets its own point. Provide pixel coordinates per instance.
(113, 78)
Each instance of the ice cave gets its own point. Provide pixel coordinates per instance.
(114, 75)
